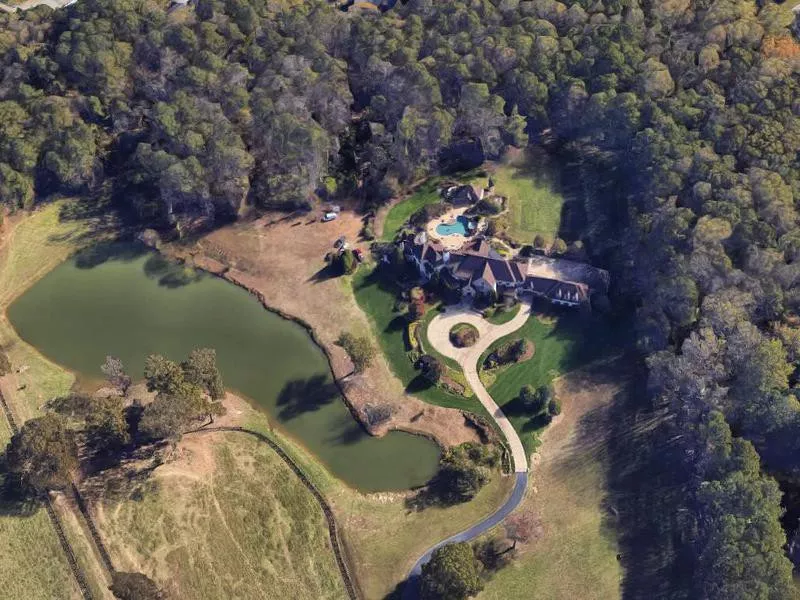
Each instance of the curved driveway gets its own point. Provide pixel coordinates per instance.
(439, 338)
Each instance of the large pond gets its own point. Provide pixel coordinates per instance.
(128, 302)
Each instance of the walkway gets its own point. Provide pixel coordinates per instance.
(468, 358)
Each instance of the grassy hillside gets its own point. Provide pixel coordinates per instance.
(573, 553)
(227, 519)
(32, 564)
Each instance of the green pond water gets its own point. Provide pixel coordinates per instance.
(128, 302)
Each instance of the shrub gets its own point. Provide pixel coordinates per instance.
(134, 586)
(348, 262)
(432, 368)
(416, 310)
(536, 400)
(451, 573)
(413, 342)
(5, 364)
(463, 335)
(559, 246)
(359, 349)
(554, 407)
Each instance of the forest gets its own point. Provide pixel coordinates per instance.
(684, 119)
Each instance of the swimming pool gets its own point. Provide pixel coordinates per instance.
(461, 226)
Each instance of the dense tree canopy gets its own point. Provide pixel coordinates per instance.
(43, 454)
(683, 118)
(451, 574)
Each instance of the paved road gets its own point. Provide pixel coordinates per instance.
(439, 337)
(411, 591)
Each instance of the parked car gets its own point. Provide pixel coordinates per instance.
(329, 216)
(359, 254)
(334, 208)
(340, 243)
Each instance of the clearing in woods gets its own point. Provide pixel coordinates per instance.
(568, 495)
(34, 566)
(535, 200)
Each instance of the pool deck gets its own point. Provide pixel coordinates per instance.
(453, 241)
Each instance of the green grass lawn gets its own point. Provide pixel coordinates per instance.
(503, 316)
(376, 297)
(534, 201)
(563, 341)
(428, 193)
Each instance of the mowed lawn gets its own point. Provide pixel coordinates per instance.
(428, 193)
(563, 341)
(376, 298)
(229, 519)
(32, 564)
(534, 200)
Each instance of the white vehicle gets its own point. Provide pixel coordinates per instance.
(329, 216)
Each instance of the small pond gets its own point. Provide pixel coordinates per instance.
(129, 302)
(461, 226)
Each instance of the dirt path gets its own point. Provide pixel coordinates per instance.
(280, 259)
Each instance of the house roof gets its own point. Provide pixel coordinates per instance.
(560, 269)
(475, 266)
(464, 194)
(557, 290)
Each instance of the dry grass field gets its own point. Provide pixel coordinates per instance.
(574, 553)
(227, 518)
(32, 563)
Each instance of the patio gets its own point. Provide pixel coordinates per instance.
(453, 241)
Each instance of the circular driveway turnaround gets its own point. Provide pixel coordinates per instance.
(439, 338)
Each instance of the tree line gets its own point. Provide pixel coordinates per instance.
(679, 120)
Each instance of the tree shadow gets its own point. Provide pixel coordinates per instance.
(306, 395)
(351, 432)
(127, 477)
(419, 384)
(324, 274)
(399, 323)
(14, 500)
(104, 252)
(647, 478)
(170, 274)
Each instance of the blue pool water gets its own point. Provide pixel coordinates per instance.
(461, 227)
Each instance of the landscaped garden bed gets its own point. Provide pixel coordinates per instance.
(509, 353)
(463, 335)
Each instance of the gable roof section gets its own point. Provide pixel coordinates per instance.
(560, 269)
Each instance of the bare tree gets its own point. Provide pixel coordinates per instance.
(115, 374)
(522, 527)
